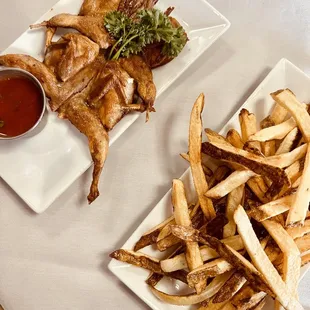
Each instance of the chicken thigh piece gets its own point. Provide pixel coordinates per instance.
(88, 123)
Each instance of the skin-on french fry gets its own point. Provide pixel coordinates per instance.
(262, 262)
(298, 232)
(272, 208)
(303, 243)
(291, 254)
(208, 270)
(191, 299)
(138, 259)
(233, 201)
(234, 138)
(305, 259)
(181, 216)
(288, 142)
(220, 173)
(179, 262)
(255, 163)
(288, 100)
(298, 211)
(277, 116)
(194, 147)
(274, 132)
(248, 127)
(287, 159)
(232, 286)
(150, 236)
(234, 180)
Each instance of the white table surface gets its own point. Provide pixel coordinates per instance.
(58, 260)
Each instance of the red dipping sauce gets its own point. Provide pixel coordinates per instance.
(21, 104)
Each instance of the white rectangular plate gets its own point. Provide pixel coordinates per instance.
(284, 75)
(42, 167)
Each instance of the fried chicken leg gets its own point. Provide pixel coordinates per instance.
(137, 68)
(98, 7)
(131, 7)
(88, 123)
(90, 26)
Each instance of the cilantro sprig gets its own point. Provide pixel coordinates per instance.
(149, 26)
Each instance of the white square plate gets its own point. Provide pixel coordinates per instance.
(42, 167)
(284, 75)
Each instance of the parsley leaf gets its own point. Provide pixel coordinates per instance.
(149, 26)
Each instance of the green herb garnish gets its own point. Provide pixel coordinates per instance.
(149, 26)
(1, 124)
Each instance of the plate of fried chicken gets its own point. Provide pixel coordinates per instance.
(101, 63)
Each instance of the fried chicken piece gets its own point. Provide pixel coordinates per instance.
(35, 67)
(88, 123)
(112, 94)
(98, 7)
(138, 69)
(49, 34)
(70, 54)
(90, 26)
(131, 7)
(78, 82)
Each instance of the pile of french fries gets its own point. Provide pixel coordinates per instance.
(247, 235)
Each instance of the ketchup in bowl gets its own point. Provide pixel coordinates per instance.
(22, 103)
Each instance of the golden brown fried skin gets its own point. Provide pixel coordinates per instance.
(131, 7)
(35, 67)
(87, 122)
(111, 93)
(70, 54)
(50, 31)
(138, 69)
(90, 26)
(98, 7)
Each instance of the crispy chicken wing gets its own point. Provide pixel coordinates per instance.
(70, 54)
(98, 7)
(87, 122)
(131, 7)
(138, 69)
(90, 26)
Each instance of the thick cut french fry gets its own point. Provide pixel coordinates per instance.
(272, 208)
(208, 270)
(305, 259)
(303, 243)
(274, 132)
(179, 262)
(248, 126)
(191, 299)
(298, 232)
(262, 262)
(255, 163)
(220, 173)
(233, 201)
(288, 142)
(232, 286)
(194, 146)
(298, 211)
(234, 180)
(288, 100)
(291, 260)
(234, 138)
(277, 116)
(287, 159)
(182, 217)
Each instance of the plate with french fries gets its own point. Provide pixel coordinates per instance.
(233, 232)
